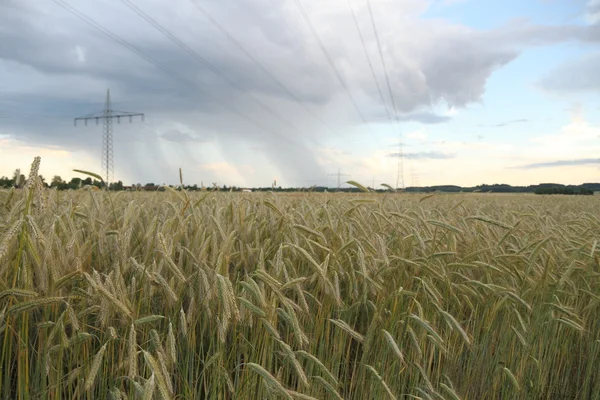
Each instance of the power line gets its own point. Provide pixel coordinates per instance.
(241, 47)
(287, 27)
(368, 57)
(34, 117)
(27, 114)
(387, 79)
(362, 40)
(188, 83)
(329, 59)
(205, 62)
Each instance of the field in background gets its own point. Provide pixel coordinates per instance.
(326, 296)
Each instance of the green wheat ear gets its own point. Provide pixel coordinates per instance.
(358, 185)
(90, 174)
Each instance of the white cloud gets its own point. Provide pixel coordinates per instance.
(592, 15)
(569, 149)
(580, 75)
(229, 173)
(80, 53)
(419, 135)
(578, 139)
(451, 111)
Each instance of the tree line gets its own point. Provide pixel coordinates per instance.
(18, 180)
(542, 188)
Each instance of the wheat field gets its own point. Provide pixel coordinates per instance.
(216, 295)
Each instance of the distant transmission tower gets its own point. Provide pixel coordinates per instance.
(339, 177)
(400, 173)
(108, 114)
(415, 177)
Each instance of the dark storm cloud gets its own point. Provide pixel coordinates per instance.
(562, 163)
(224, 74)
(438, 69)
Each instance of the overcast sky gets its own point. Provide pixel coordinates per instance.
(247, 91)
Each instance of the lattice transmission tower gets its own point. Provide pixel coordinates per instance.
(339, 177)
(107, 115)
(400, 167)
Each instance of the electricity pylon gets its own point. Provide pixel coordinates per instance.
(400, 173)
(339, 177)
(108, 114)
(415, 177)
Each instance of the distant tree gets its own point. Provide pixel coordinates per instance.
(75, 183)
(568, 190)
(116, 186)
(56, 181)
(5, 182)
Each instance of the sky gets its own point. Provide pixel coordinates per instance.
(245, 92)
